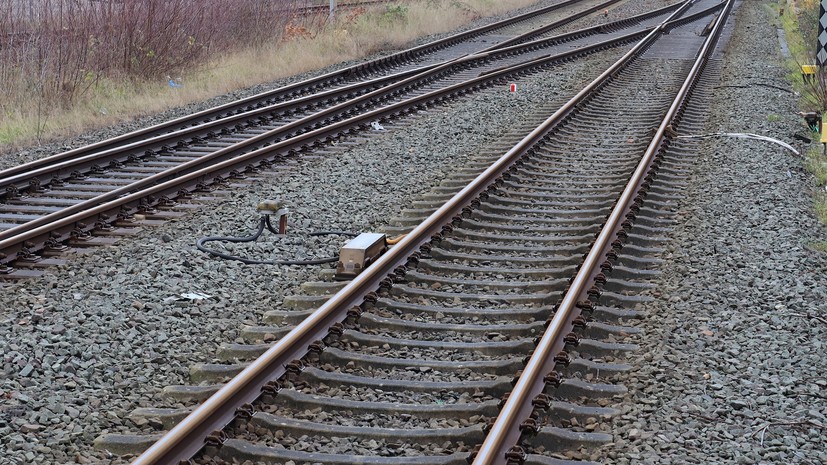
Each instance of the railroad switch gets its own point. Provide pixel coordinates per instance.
(359, 253)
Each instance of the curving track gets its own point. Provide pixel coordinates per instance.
(490, 333)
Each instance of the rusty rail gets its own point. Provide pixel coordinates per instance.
(188, 436)
(505, 433)
(168, 184)
(289, 91)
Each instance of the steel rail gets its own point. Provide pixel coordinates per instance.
(551, 26)
(20, 179)
(427, 72)
(210, 167)
(505, 432)
(47, 173)
(307, 85)
(187, 437)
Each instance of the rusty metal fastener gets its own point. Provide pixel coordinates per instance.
(425, 249)
(553, 379)
(571, 339)
(516, 456)
(102, 225)
(271, 387)
(386, 284)
(486, 428)
(503, 399)
(12, 192)
(216, 438)
(586, 305)
(529, 427)
(245, 411)
(316, 347)
(295, 367)
(474, 452)
(562, 358)
(354, 314)
(335, 332)
(36, 186)
(79, 234)
(541, 402)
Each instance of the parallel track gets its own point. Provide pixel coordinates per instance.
(417, 59)
(94, 198)
(419, 349)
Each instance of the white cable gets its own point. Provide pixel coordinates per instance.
(741, 135)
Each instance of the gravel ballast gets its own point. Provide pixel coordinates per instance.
(9, 158)
(91, 341)
(94, 339)
(731, 366)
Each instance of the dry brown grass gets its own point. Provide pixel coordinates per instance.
(304, 47)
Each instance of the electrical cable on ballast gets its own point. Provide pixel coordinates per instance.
(264, 222)
(740, 135)
(395, 240)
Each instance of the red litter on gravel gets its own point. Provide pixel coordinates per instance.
(512, 87)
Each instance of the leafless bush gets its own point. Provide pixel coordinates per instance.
(57, 49)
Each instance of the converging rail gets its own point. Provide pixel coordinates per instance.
(415, 59)
(96, 200)
(448, 314)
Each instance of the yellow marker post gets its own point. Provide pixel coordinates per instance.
(824, 137)
(808, 72)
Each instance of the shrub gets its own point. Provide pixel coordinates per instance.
(52, 51)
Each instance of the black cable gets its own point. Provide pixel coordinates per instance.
(262, 223)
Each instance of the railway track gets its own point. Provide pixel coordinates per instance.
(324, 9)
(79, 194)
(414, 59)
(483, 335)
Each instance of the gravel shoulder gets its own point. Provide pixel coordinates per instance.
(91, 341)
(731, 368)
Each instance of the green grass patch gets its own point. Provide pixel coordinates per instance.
(820, 246)
(798, 19)
(816, 163)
